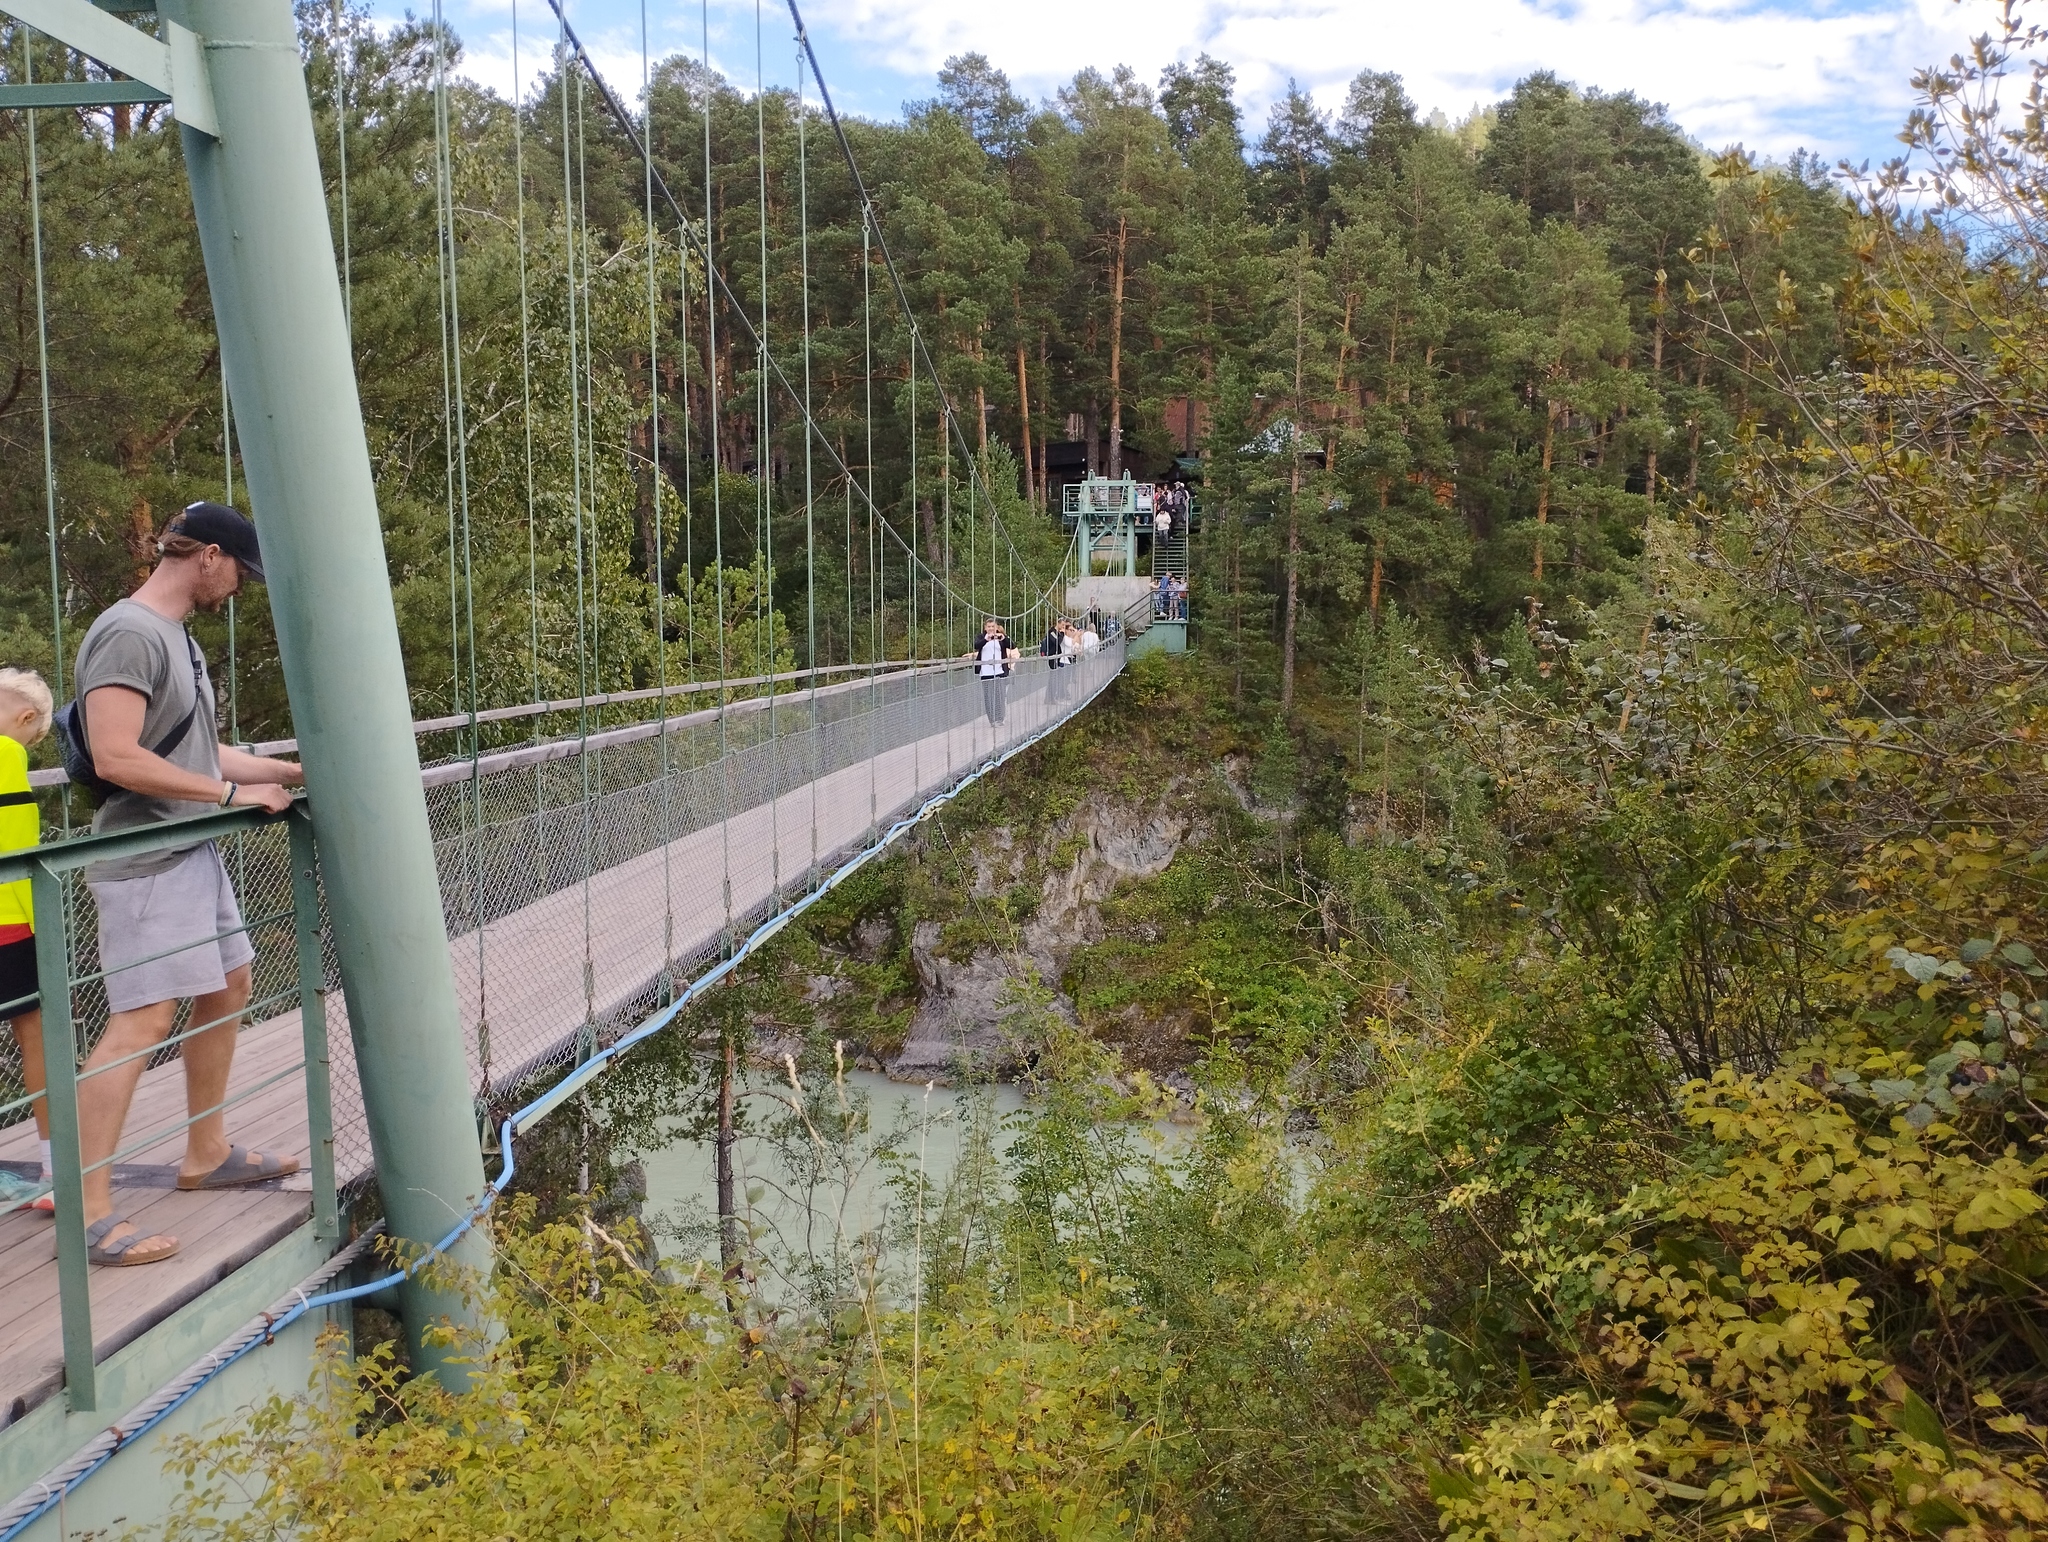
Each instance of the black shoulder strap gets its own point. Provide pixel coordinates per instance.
(176, 736)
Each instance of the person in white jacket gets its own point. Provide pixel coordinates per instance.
(992, 663)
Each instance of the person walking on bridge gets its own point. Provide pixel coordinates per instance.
(1049, 650)
(992, 662)
(169, 925)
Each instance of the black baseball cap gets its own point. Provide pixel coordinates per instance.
(218, 525)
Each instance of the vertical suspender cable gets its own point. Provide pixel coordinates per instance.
(910, 649)
(803, 227)
(341, 62)
(689, 569)
(654, 249)
(227, 456)
(877, 554)
(483, 1036)
(525, 370)
(717, 503)
(911, 653)
(441, 255)
(565, 81)
(946, 558)
(764, 462)
(462, 633)
(35, 220)
(580, 222)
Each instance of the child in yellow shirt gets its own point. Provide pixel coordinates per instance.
(25, 708)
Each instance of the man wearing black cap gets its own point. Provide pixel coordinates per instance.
(169, 925)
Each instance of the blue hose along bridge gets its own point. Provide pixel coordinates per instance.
(459, 925)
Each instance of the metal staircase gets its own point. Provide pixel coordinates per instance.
(1170, 555)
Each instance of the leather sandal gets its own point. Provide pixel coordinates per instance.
(122, 1251)
(242, 1166)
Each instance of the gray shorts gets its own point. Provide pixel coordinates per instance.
(170, 935)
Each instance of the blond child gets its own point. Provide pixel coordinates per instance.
(25, 708)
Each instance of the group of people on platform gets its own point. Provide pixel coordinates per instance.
(1170, 598)
(142, 741)
(1172, 510)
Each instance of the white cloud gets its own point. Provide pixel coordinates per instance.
(1828, 75)
(1832, 77)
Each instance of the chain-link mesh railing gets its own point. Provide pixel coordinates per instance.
(581, 890)
(585, 879)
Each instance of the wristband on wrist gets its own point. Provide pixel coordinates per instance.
(227, 794)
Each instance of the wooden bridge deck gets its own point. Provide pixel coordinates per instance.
(531, 981)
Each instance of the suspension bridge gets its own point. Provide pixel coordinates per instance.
(477, 911)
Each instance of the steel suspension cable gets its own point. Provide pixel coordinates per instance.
(918, 350)
(716, 280)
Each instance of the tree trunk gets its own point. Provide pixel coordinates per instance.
(1236, 610)
(1379, 555)
(1024, 424)
(1344, 344)
(1045, 410)
(1692, 465)
(728, 1207)
(980, 399)
(1293, 498)
(1116, 352)
(1543, 483)
(1293, 585)
(1656, 378)
(141, 538)
(1093, 426)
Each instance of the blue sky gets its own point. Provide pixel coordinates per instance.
(1831, 76)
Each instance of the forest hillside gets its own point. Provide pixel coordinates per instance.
(1579, 901)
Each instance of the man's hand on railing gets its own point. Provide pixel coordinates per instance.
(259, 795)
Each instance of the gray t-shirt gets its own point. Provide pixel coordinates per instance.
(131, 645)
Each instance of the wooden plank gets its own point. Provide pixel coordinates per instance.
(221, 1231)
(221, 1209)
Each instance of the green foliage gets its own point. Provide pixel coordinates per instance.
(685, 1417)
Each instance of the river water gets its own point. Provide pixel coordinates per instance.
(807, 1191)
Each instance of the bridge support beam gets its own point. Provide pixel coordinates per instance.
(263, 226)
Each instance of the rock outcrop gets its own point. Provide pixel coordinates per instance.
(966, 1007)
